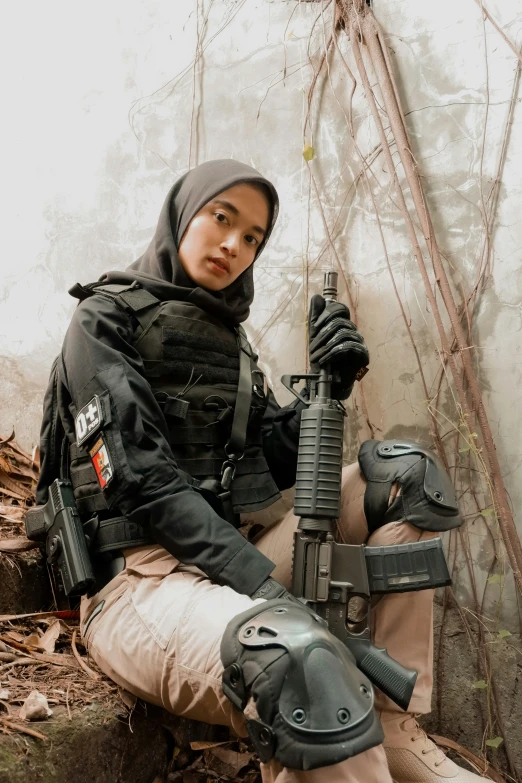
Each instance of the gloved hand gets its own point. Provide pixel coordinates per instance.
(271, 588)
(334, 340)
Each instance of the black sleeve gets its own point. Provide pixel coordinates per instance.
(281, 439)
(98, 358)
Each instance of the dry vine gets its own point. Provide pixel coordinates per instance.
(456, 345)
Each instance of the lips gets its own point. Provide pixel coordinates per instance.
(221, 262)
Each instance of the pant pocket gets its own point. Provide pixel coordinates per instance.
(88, 620)
(159, 603)
(99, 609)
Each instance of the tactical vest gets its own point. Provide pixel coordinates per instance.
(191, 361)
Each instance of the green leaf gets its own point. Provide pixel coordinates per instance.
(308, 153)
(473, 435)
(488, 512)
(464, 449)
(494, 743)
(480, 684)
(504, 634)
(493, 580)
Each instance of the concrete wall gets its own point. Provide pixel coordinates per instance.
(105, 110)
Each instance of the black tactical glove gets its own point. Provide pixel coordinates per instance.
(334, 340)
(274, 589)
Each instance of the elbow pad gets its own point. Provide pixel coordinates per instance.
(315, 708)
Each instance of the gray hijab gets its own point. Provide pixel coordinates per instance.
(159, 269)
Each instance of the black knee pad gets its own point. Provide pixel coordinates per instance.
(315, 707)
(427, 498)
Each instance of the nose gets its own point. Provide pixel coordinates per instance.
(231, 243)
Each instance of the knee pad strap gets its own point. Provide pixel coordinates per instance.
(427, 498)
(315, 707)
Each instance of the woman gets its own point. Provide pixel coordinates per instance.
(146, 388)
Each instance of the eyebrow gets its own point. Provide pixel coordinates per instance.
(235, 211)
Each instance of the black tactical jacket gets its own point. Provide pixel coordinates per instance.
(99, 358)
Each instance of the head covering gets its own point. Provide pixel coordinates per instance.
(159, 269)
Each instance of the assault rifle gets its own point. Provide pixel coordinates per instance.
(328, 575)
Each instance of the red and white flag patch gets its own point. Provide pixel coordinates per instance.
(102, 462)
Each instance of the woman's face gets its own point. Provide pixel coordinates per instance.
(222, 239)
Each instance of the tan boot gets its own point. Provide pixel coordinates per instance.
(413, 757)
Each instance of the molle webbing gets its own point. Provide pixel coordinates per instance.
(213, 359)
(88, 495)
(190, 356)
(191, 361)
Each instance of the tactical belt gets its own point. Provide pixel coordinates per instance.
(114, 534)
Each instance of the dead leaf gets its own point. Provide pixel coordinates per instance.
(14, 512)
(227, 762)
(17, 544)
(4, 441)
(129, 699)
(33, 640)
(12, 449)
(58, 659)
(16, 495)
(4, 694)
(35, 707)
(48, 640)
(25, 474)
(207, 745)
(14, 635)
(17, 471)
(16, 489)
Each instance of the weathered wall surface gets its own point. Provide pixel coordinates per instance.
(107, 110)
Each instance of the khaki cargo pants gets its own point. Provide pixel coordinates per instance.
(156, 629)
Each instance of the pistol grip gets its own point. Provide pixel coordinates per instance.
(394, 680)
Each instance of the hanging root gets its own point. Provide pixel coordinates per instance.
(370, 54)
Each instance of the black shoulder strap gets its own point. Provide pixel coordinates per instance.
(235, 447)
(132, 298)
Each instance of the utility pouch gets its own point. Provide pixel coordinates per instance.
(59, 525)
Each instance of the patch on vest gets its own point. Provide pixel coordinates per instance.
(88, 420)
(102, 462)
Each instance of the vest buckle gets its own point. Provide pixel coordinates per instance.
(228, 472)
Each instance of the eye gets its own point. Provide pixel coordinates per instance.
(249, 237)
(219, 215)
